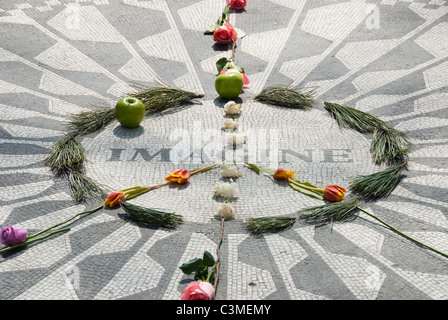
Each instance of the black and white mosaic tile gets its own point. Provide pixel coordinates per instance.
(386, 57)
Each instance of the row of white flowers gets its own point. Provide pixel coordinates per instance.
(229, 190)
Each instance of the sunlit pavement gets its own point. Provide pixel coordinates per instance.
(61, 57)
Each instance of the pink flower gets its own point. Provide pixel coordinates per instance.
(236, 4)
(246, 80)
(198, 290)
(11, 236)
(225, 34)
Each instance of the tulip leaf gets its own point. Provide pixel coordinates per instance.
(259, 169)
(266, 170)
(308, 185)
(254, 168)
(311, 193)
(208, 259)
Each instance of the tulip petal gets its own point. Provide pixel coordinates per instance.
(334, 193)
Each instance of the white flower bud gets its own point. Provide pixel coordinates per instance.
(230, 124)
(226, 189)
(232, 107)
(230, 171)
(235, 139)
(225, 210)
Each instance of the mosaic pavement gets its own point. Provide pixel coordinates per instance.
(389, 58)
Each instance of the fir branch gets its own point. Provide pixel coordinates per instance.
(66, 154)
(151, 216)
(287, 96)
(335, 211)
(269, 224)
(340, 211)
(158, 99)
(389, 145)
(155, 99)
(83, 187)
(350, 118)
(91, 121)
(380, 184)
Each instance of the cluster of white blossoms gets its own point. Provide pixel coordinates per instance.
(230, 171)
(232, 108)
(229, 189)
(235, 139)
(225, 210)
(230, 124)
(226, 189)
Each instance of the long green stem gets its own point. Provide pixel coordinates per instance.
(196, 171)
(142, 190)
(402, 234)
(136, 191)
(34, 240)
(56, 225)
(305, 186)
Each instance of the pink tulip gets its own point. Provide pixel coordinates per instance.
(11, 236)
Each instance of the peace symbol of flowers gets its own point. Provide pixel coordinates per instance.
(388, 146)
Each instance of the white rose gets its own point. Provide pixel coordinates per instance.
(225, 210)
(230, 171)
(225, 189)
(230, 124)
(235, 139)
(232, 107)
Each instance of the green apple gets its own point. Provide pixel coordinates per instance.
(130, 112)
(229, 85)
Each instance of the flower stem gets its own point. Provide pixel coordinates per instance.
(56, 225)
(34, 240)
(402, 234)
(218, 255)
(142, 191)
(305, 186)
(196, 171)
(132, 188)
(210, 273)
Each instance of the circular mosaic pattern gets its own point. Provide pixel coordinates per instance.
(389, 58)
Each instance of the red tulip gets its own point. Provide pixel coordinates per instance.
(236, 4)
(282, 174)
(113, 199)
(179, 175)
(225, 34)
(334, 193)
(198, 290)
